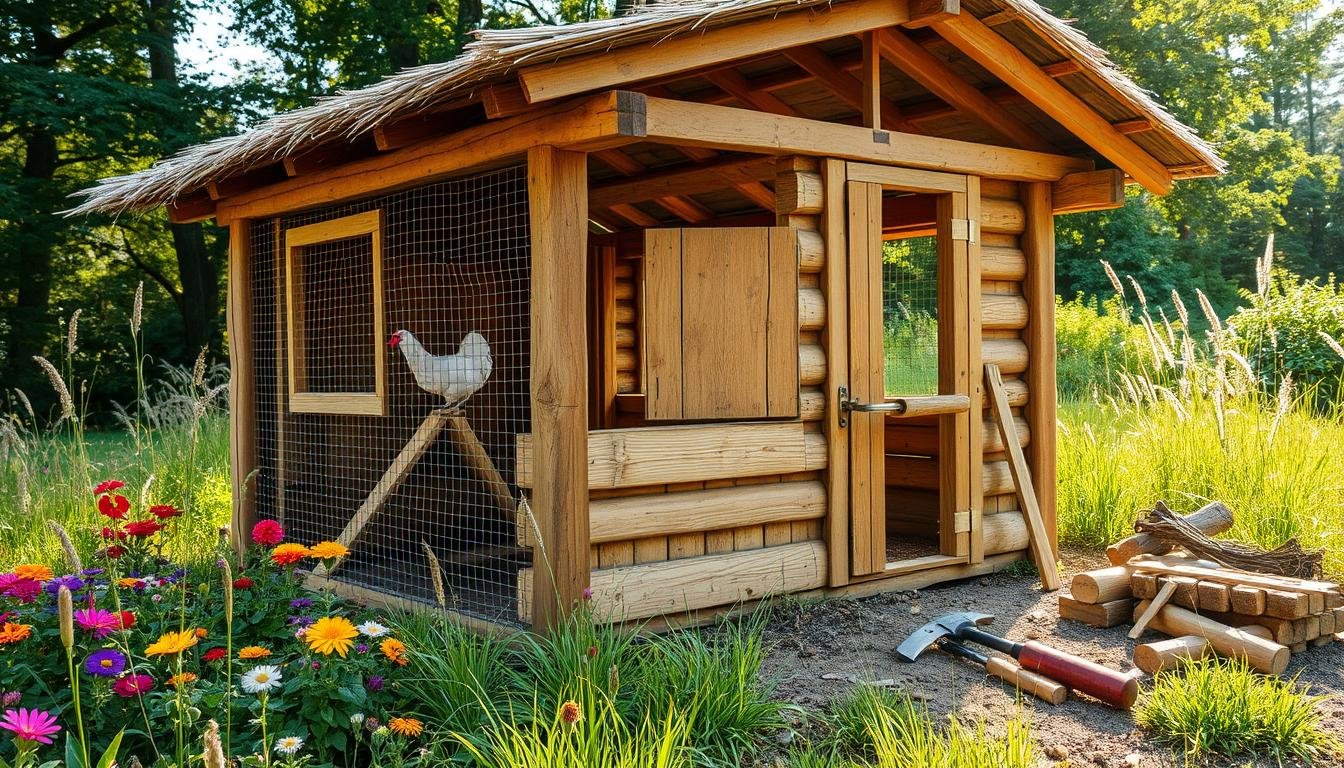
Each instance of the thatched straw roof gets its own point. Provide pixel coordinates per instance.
(497, 54)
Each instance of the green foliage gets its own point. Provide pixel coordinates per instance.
(1220, 706)
(1289, 329)
(851, 717)
(458, 678)
(1093, 341)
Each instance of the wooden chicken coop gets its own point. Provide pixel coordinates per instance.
(763, 294)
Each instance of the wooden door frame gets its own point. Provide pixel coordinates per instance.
(959, 364)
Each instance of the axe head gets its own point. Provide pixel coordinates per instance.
(928, 635)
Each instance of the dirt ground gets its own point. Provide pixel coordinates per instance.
(821, 649)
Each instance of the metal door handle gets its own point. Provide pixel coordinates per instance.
(931, 405)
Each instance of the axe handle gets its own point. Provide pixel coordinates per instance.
(1112, 687)
(1037, 685)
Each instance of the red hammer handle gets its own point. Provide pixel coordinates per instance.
(1118, 690)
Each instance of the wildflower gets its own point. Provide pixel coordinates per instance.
(288, 745)
(129, 582)
(105, 662)
(326, 550)
(108, 534)
(357, 719)
(299, 603)
(156, 598)
(11, 633)
(34, 572)
(107, 486)
(91, 572)
(587, 593)
(288, 554)
(113, 506)
(395, 651)
(371, 724)
(331, 634)
(30, 724)
(11, 698)
(200, 633)
(131, 686)
(406, 726)
(372, 629)
(127, 619)
(98, 622)
(375, 683)
(172, 643)
(362, 648)
(254, 652)
(181, 678)
(243, 582)
(69, 581)
(316, 665)
(267, 533)
(164, 511)
(143, 528)
(570, 714)
(592, 651)
(214, 654)
(24, 590)
(115, 551)
(261, 679)
(300, 621)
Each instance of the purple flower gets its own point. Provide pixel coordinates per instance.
(11, 698)
(362, 648)
(91, 572)
(156, 597)
(299, 603)
(375, 683)
(105, 662)
(97, 622)
(23, 590)
(300, 621)
(69, 581)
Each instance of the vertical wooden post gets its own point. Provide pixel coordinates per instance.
(956, 316)
(557, 187)
(834, 281)
(975, 364)
(872, 81)
(1038, 245)
(867, 434)
(242, 396)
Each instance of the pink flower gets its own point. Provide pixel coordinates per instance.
(30, 724)
(131, 686)
(268, 533)
(587, 593)
(98, 622)
(23, 590)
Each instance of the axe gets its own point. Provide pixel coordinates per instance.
(1029, 682)
(1111, 687)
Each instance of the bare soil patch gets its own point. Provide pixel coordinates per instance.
(822, 649)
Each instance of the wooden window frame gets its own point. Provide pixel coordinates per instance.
(346, 403)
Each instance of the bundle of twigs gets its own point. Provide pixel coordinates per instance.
(1287, 560)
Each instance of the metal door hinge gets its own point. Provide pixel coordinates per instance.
(966, 229)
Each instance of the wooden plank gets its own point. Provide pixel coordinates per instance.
(722, 322)
(670, 514)
(281, 366)
(781, 323)
(478, 461)
(702, 48)
(1164, 594)
(1246, 600)
(242, 384)
(868, 550)
(835, 340)
(1100, 190)
(708, 125)
(558, 200)
(1108, 614)
(1006, 62)
(956, 318)
(871, 77)
(662, 323)
(974, 212)
(1042, 550)
(1038, 247)
(1234, 576)
(640, 456)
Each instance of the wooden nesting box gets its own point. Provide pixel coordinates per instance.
(742, 280)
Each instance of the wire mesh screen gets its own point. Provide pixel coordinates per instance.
(910, 316)
(435, 483)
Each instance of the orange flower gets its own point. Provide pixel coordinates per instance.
(129, 583)
(181, 678)
(15, 633)
(254, 652)
(394, 650)
(34, 572)
(325, 550)
(331, 634)
(200, 633)
(289, 554)
(570, 713)
(172, 643)
(406, 726)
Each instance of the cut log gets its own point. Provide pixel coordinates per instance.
(1108, 614)
(1263, 655)
(1286, 605)
(1212, 519)
(1247, 600)
(1212, 596)
(1166, 654)
(1101, 586)
(1143, 585)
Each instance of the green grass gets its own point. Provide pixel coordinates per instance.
(1220, 706)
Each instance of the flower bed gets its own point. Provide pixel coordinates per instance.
(152, 659)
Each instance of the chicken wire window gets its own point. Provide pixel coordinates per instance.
(334, 303)
(424, 493)
(910, 316)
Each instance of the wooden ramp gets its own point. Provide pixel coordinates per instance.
(454, 421)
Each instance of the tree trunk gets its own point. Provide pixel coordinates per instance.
(29, 318)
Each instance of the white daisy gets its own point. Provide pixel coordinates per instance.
(261, 679)
(288, 745)
(372, 629)
(357, 719)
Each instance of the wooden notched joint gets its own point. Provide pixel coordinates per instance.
(926, 12)
(632, 113)
(966, 229)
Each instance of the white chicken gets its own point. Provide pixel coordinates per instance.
(453, 377)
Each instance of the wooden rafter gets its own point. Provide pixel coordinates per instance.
(1006, 62)
(194, 207)
(329, 155)
(870, 74)
(682, 180)
(845, 85)
(680, 206)
(247, 181)
(939, 79)
(731, 82)
(925, 12)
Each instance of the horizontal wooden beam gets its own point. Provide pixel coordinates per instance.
(696, 49)
(196, 206)
(404, 133)
(848, 87)
(665, 514)
(683, 180)
(627, 458)
(1089, 191)
(707, 125)
(925, 12)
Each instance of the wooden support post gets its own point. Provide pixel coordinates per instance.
(836, 342)
(1038, 248)
(242, 394)
(872, 82)
(557, 185)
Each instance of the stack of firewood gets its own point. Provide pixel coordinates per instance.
(1205, 606)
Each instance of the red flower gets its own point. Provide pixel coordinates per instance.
(143, 528)
(242, 582)
(115, 551)
(109, 534)
(107, 486)
(113, 505)
(268, 533)
(214, 654)
(164, 511)
(133, 685)
(127, 619)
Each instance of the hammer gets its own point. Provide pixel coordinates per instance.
(1111, 687)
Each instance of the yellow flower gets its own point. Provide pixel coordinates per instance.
(181, 678)
(254, 652)
(331, 634)
(172, 643)
(15, 633)
(394, 650)
(325, 550)
(406, 726)
(34, 572)
(129, 583)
